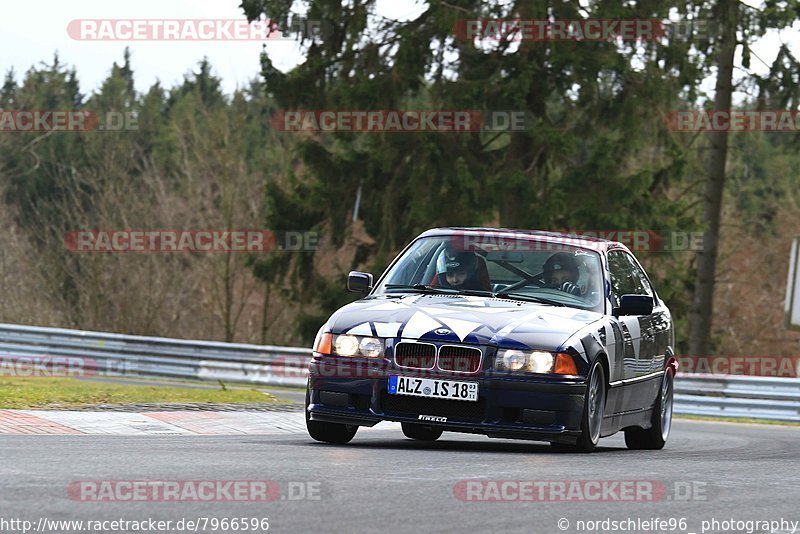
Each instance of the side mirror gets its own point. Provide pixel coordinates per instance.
(359, 282)
(635, 305)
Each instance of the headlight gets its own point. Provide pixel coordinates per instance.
(511, 360)
(347, 345)
(540, 362)
(371, 347)
(537, 361)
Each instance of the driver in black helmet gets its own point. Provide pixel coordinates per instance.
(458, 270)
(561, 272)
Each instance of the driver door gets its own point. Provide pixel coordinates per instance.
(638, 341)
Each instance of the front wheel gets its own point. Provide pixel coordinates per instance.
(421, 432)
(655, 437)
(328, 432)
(594, 406)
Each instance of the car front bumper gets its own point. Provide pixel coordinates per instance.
(518, 407)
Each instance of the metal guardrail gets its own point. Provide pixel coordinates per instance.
(118, 354)
(757, 397)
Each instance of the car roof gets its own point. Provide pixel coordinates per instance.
(580, 240)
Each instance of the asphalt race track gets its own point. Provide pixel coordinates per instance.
(384, 482)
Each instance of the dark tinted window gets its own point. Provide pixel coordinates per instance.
(627, 278)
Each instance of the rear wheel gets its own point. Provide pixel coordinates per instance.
(421, 432)
(328, 432)
(594, 406)
(656, 436)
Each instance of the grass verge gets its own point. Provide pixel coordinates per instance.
(736, 420)
(23, 393)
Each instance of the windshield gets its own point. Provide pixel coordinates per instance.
(537, 271)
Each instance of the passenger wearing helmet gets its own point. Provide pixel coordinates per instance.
(458, 270)
(561, 272)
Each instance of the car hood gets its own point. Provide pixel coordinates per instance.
(461, 319)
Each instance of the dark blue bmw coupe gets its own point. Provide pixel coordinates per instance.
(507, 333)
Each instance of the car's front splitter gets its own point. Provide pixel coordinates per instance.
(518, 407)
(493, 430)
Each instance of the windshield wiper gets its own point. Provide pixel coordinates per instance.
(422, 288)
(522, 296)
(448, 290)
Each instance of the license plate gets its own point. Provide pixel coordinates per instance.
(433, 388)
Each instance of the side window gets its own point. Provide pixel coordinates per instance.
(627, 278)
(643, 285)
(417, 259)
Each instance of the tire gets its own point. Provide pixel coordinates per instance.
(328, 432)
(421, 432)
(594, 405)
(655, 437)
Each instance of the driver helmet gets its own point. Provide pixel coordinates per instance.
(561, 261)
(451, 262)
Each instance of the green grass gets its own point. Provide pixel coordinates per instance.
(22, 393)
(736, 420)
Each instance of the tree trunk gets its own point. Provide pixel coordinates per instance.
(703, 300)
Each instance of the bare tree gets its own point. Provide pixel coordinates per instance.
(703, 300)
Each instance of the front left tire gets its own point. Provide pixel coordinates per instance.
(594, 406)
(328, 432)
(655, 437)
